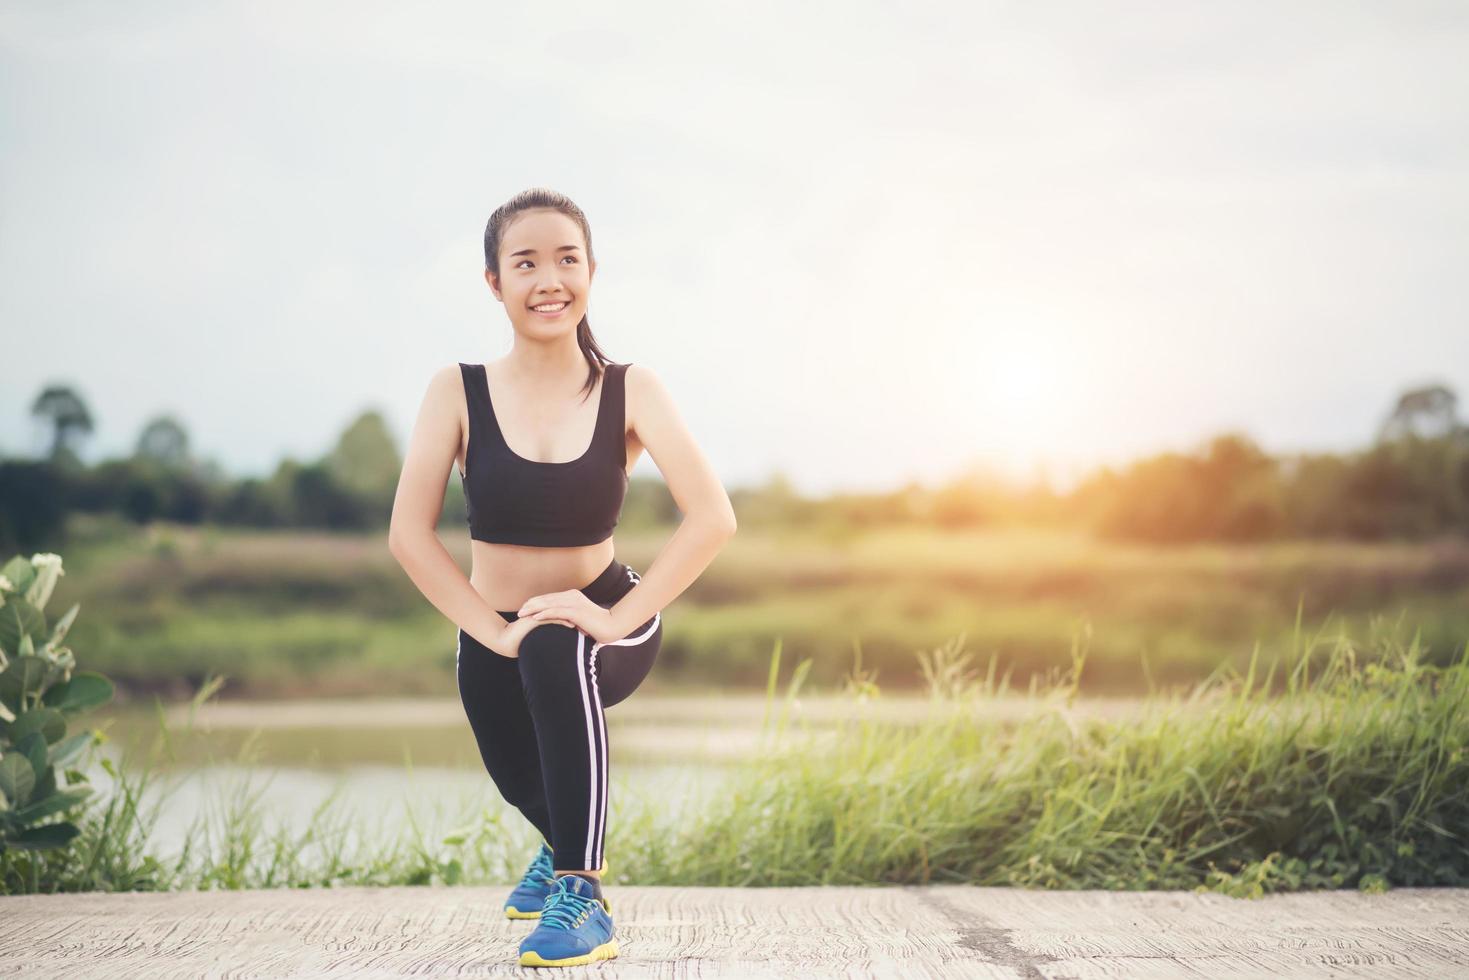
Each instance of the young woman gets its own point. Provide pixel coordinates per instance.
(552, 628)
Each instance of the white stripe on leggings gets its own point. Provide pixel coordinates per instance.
(632, 640)
(594, 846)
(637, 638)
(593, 713)
(597, 733)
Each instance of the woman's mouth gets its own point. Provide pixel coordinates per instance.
(550, 310)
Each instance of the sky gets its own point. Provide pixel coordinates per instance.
(861, 244)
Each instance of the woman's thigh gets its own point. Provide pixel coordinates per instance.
(622, 665)
(495, 704)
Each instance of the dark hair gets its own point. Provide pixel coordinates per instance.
(544, 197)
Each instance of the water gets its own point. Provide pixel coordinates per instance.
(408, 770)
(377, 804)
(390, 770)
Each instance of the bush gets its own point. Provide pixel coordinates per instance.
(40, 692)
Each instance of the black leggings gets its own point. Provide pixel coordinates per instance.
(539, 723)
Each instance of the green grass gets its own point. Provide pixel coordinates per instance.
(1353, 775)
(304, 613)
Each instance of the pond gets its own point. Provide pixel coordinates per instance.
(398, 769)
(392, 768)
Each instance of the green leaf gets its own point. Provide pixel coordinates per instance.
(23, 676)
(33, 747)
(45, 784)
(48, 721)
(67, 749)
(21, 573)
(58, 632)
(17, 778)
(19, 619)
(84, 691)
(55, 803)
(45, 838)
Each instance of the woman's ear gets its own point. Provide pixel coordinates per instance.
(494, 282)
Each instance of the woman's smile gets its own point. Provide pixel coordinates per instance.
(551, 310)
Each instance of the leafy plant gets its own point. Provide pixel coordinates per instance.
(40, 692)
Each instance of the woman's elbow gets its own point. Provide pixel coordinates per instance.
(402, 539)
(727, 524)
(718, 523)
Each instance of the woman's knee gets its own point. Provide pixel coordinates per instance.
(548, 653)
(549, 636)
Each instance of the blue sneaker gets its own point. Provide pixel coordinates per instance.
(526, 898)
(574, 929)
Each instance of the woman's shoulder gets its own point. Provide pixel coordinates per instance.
(447, 384)
(450, 375)
(638, 375)
(645, 390)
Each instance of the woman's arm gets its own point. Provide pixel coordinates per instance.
(709, 518)
(418, 504)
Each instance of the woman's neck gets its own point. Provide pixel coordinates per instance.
(545, 364)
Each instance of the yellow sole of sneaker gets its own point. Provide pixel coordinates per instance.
(606, 951)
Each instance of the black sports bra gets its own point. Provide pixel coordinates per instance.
(514, 500)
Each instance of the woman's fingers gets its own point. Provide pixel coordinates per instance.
(545, 616)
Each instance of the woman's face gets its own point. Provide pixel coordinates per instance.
(543, 262)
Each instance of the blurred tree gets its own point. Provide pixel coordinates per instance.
(60, 407)
(141, 498)
(648, 504)
(1317, 494)
(1428, 412)
(211, 471)
(966, 501)
(32, 505)
(165, 442)
(365, 460)
(1249, 505)
(1230, 491)
(1385, 494)
(318, 500)
(254, 503)
(778, 502)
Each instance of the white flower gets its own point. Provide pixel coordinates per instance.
(48, 570)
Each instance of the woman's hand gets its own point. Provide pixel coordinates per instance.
(573, 607)
(508, 644)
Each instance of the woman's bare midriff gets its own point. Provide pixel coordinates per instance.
(508, 574)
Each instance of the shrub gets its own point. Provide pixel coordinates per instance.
(40, 692)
